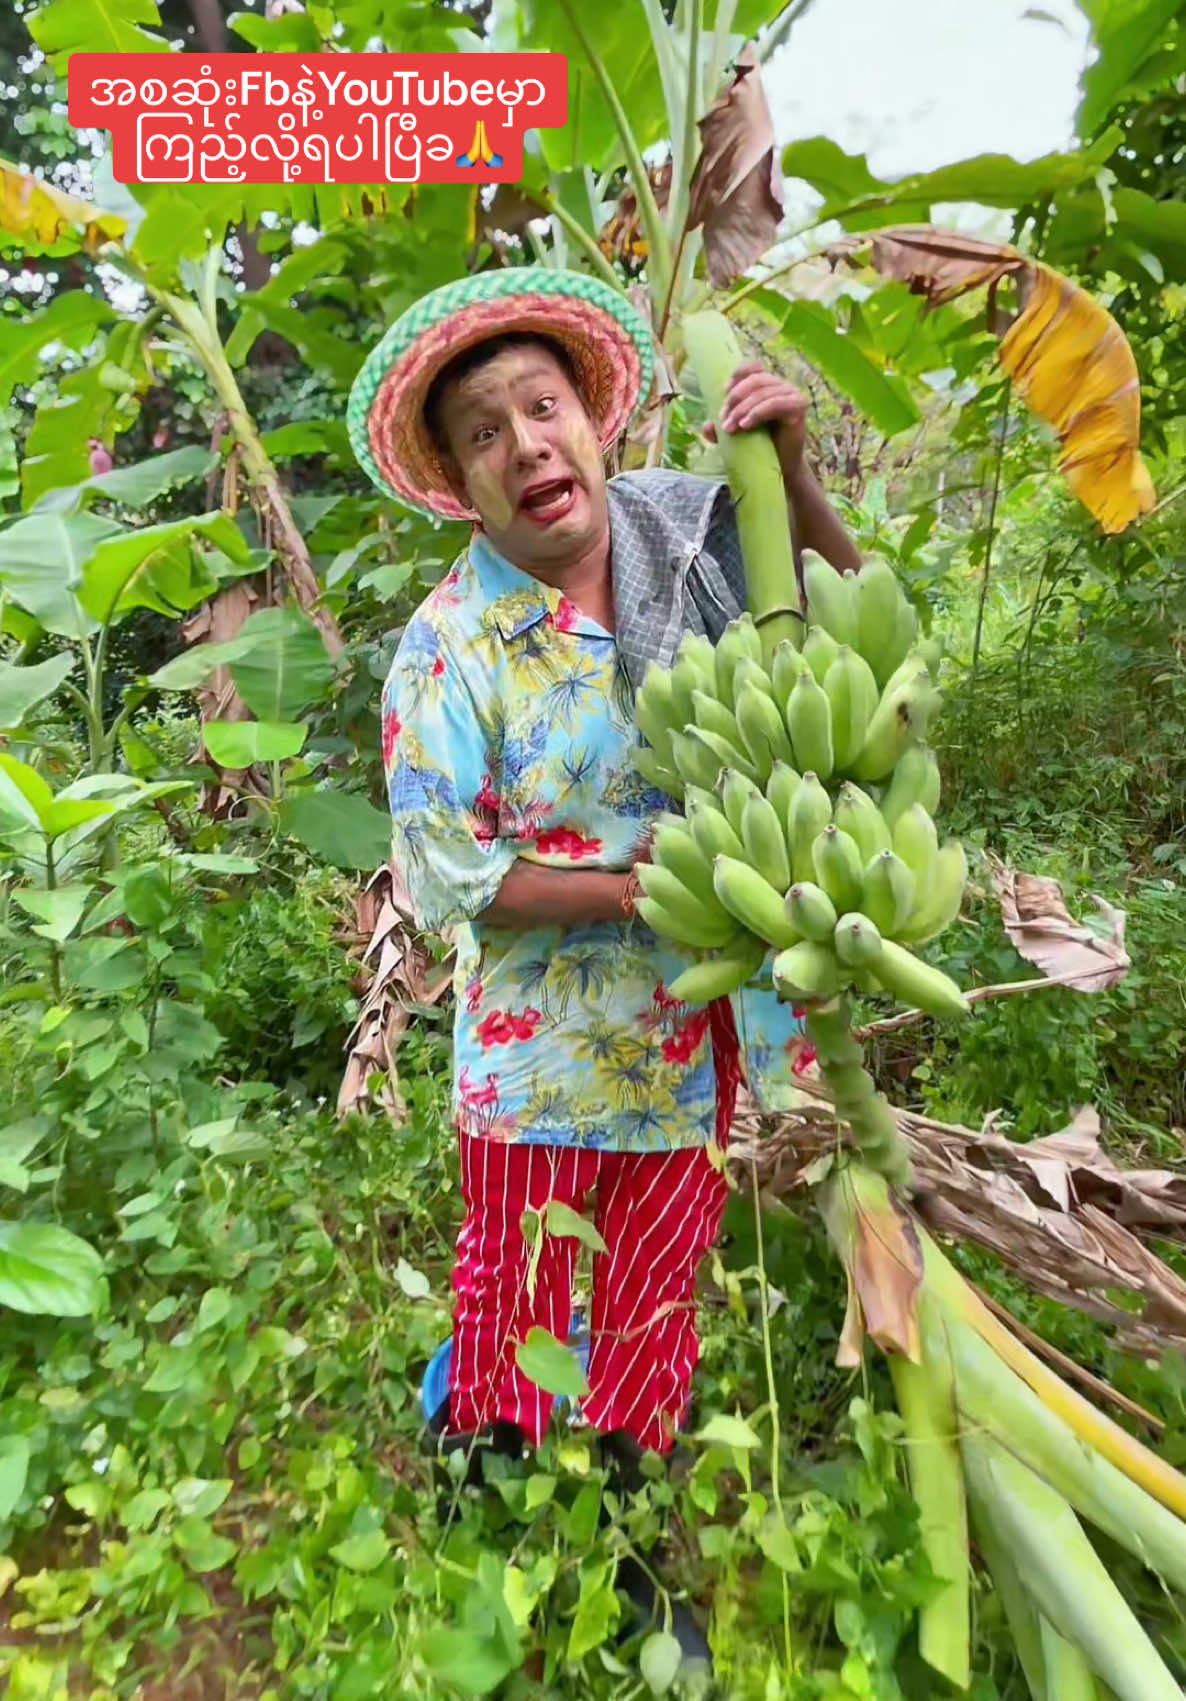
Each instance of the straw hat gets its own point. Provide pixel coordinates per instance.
(606, 337)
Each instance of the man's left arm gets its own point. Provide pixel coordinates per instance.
(756, 397)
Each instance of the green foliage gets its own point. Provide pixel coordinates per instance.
(217, 1299)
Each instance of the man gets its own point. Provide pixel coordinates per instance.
(508, 731)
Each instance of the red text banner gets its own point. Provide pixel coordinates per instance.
(318, 117)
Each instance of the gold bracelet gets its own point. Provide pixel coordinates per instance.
(631, 892)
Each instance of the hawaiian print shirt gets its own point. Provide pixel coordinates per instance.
(508, 731)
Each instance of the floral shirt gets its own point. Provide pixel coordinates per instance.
(508, 731)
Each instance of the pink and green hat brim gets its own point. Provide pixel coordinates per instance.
(606, 337)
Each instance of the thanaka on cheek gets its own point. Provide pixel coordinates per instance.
(490, 499)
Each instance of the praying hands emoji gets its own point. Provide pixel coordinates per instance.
(480, 149)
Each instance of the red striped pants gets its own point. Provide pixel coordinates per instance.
(658, 1213)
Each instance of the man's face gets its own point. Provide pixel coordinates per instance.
(525, 455)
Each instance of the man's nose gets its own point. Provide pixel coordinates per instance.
(530, 439)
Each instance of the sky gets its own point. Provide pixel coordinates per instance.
(920, 83)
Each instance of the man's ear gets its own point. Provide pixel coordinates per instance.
(455, 478)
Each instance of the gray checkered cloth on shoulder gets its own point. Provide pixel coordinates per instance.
(676, 562)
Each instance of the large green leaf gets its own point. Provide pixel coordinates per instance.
(308, 437)
(95, 26)
(58, 909)
(993, 180)
(291, 32)
(42, 560)
(136, 486)
(188, 670)
(22, 688)
(339, 827)
(286, 668)
(71, 319)
(181, 220)
(550, 1364)
(46, 1269)
(237, 744)
(14, 1469)
(57, 451)
(1128, 33)
(24, 796)
(841, 178)
(621, 40)
(1141, 226)
(156, 567)
(812, 332)
(318, 334)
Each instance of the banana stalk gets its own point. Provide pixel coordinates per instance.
(992, 1436)
(755, 480)
(1063, 1575)
(926, 1400)
(867, 1113)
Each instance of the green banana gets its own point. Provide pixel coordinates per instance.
(809, 722)
(806, 970)
(811, 810)
(711, 831)
(852, 692)
(734, 790)
(939, 905)
(857, 941)
(831, 598)
(859, 817)
(695, 762)
(738, 641)
(654, 710)
(660, 920)
(686, 906)
(879, 601)
(700, 795)
(781, 787)
(838, 867)
(763, 733)
(728, 755)
(749, 672)
(696, 647)
(786, 665)
(711, 715)
(656, 773)
(899, 721)
(674, 848)
(752, 900)
(905, 639)
(689, 674)
(819, 651)
(811, 911)
(764, 838)
(915, 780)
(908, 668)
(916, 983)
(717, 977)
(917, 843)
(887, 893)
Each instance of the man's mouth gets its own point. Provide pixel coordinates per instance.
(544, 503)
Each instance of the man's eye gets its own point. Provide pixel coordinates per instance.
(545, 404)
(483, 433)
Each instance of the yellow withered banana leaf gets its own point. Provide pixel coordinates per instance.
(41, 216)
(1068, 357)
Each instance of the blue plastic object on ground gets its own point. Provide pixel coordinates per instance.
(434, 1390)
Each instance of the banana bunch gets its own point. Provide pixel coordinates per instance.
(848, 705)
(841, 890)
(809, 795)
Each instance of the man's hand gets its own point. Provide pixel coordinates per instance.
(756, 397)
